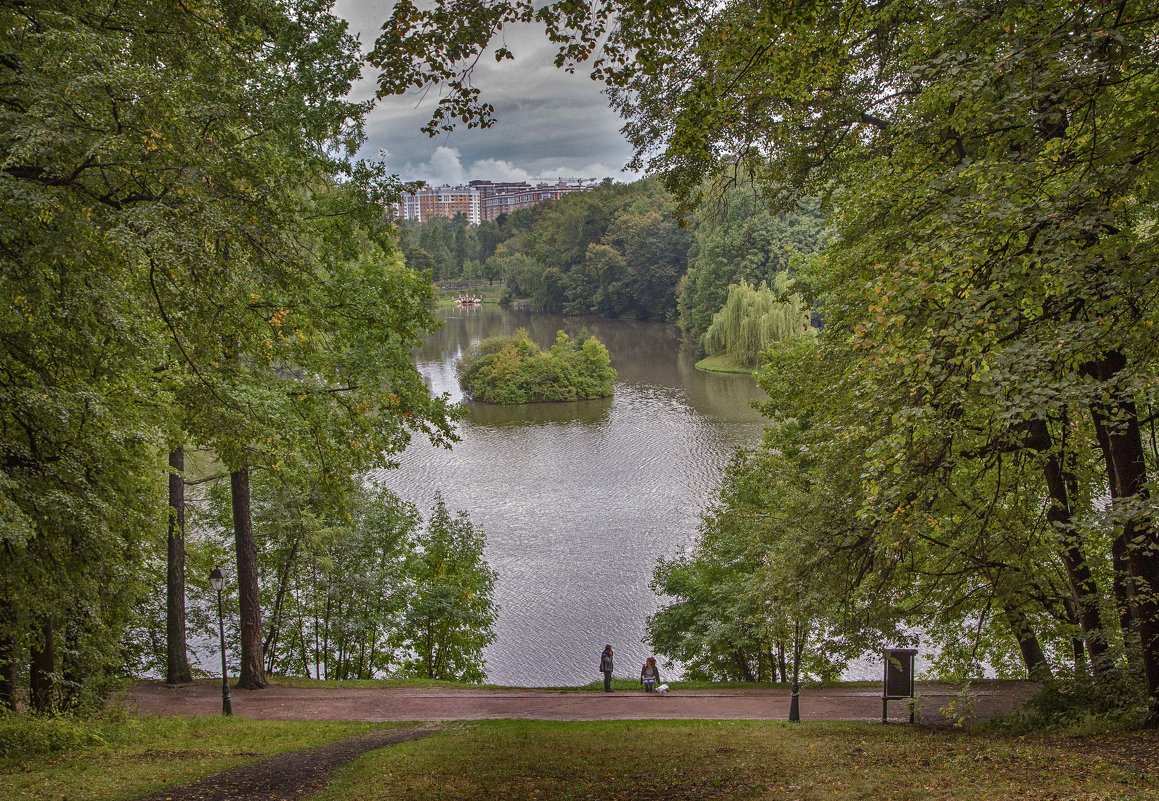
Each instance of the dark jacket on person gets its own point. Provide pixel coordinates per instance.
(606, 662)
(650, 673)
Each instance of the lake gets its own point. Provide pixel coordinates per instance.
(580, 499)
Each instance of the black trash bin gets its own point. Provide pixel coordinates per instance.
(899, 679)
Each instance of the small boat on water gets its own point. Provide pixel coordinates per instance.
(467, 300)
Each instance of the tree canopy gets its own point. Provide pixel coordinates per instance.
(989, 291)
(188, 256)
(515, 370)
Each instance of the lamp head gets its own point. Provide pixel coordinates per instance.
(217, 579)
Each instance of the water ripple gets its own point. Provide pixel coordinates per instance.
(580, 500)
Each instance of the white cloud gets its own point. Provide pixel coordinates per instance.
(445, 166)
(499, 170)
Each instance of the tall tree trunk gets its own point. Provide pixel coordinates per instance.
(252, 675)
(42, 676)
(430, 646)
(302, 645)
(8, 657)
(176, 645)
(1082, 583)
(740, 659)
(1033, 657)
(1117, 421)
(326, 639)
(1078, 646)
(275, 630)
(1120, 579)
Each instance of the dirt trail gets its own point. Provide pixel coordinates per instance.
(438, 704)
(286, 777)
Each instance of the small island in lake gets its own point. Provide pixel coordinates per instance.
(515, 370)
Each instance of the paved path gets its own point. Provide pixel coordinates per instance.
(431, 704)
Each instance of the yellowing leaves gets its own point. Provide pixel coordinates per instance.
(152, 140)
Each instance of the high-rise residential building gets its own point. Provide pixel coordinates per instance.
(481, 200)
(441, 201)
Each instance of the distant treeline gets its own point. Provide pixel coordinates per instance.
(622, 251)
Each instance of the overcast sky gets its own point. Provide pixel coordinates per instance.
(550, 124)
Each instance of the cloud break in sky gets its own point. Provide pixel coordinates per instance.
(550, 124)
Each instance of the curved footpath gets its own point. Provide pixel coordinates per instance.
(286, 777)
(469, 703)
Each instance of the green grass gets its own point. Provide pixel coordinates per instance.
(704, 760)
(618, 684)
(373, 684)
(86, 760)
(633, 684)
(722, 364)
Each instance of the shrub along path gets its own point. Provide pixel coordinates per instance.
(289, 776)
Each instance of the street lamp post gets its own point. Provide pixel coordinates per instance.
(217, 581)
(798, 646)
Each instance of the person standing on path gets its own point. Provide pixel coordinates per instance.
(606, 667)
(650, 675)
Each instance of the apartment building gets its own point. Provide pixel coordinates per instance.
(482, 200)
(441, 201)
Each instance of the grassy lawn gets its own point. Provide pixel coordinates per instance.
(373, 684)
(129, 758)
(634, 685)
(704, 760)
(618, 684)
(722, 364)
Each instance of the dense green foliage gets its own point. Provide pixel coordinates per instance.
(970, 437)
(620, 251)
(515, 370)
(358, 586)
(187, 258)
(754, 318)
(736, 238)
(450, 614)
(615, 251)
(989, 343)
(452, 249)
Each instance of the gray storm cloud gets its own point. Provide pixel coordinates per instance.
(550, 124)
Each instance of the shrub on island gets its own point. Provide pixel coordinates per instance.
(515, 370)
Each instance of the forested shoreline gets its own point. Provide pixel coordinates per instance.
(626, 251)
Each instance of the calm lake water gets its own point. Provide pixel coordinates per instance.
(580, 499)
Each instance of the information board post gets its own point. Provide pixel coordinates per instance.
(899, 679)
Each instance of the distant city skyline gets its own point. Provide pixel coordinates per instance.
(550, 125)
(481, 199)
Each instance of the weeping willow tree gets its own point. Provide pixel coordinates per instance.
(755, 317)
